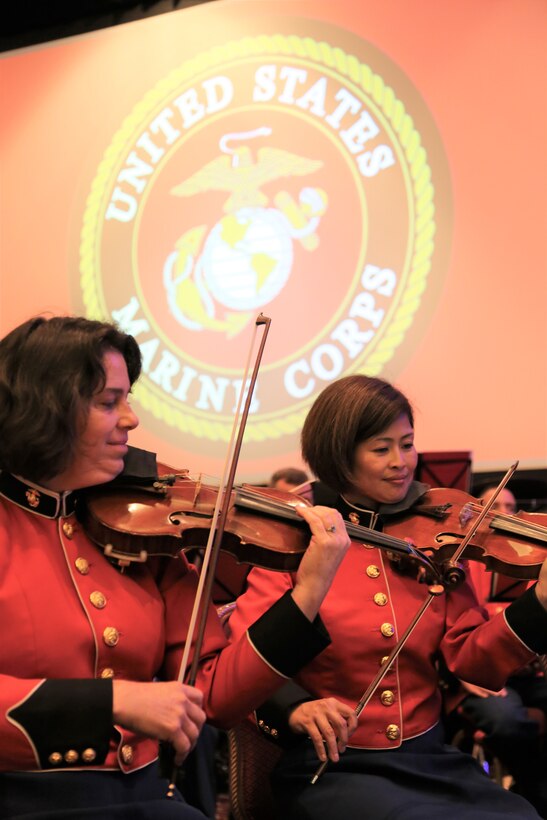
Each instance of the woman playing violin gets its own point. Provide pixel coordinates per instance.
(358, 439)
(89, 655)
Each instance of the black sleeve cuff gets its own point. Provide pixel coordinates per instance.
(286, 639)
(69, 722)
(528, 619)
(273, 716)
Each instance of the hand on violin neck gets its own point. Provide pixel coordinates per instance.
(328, 545)
(541, 586)
(168, 711)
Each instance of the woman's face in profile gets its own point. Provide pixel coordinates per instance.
(102, 443)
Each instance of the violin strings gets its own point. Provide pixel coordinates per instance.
(518, 524)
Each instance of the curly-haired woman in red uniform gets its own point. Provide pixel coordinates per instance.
(89, 654)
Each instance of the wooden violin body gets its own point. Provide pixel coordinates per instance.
(514, 545)
(175, 513)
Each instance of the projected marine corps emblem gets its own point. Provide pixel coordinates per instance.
(244, 261)
(276, 174)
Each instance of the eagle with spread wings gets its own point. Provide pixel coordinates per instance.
(242, 177)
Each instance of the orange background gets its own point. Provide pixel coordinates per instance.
(478, 377)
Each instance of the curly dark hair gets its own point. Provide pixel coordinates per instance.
(49, 370)
(346, 413)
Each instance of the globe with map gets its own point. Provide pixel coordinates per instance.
(247, 258)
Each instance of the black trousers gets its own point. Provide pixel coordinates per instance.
(423, 779)
(91, 795)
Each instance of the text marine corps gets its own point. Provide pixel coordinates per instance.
(325, 362)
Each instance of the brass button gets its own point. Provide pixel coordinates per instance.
(55, 758)
(368, 546)
(111, 636)
(71, 756)
(89, 755)
(353, 517)
(380, 599)
(383, 660)
(387, 697)
(393, 732)
(387, 630)
(127, 753)
(68, 529)
(268, 730)
(107, 672)
(97, 599)
(373, 571)
(82, 566)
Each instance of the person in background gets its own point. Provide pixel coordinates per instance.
(486, 582)
(511, 732)
(90, 651)
(505, 501)
(288, 478)
(393, 761)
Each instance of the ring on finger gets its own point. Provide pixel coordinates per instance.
(332, 528)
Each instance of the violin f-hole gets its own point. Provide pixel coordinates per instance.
(176, 518)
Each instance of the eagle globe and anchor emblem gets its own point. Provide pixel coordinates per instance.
(216, 280)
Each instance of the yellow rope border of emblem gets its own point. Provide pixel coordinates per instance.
(383, 95)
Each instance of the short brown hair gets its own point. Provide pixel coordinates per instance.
(347, 412)
(49, 370)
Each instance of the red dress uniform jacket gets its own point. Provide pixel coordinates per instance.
(71, 622)
(366, 610)
(494, 591)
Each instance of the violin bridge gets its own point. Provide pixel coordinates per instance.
(197, 489)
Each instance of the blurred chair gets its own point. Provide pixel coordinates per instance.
(251, 758)
(445, 469)
(471, 740)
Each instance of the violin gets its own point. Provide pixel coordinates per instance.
(512, 545)
(173, 514)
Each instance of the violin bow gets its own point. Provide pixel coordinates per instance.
(483, 513)
(434, 591)
(206, 581)
(210, 568)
